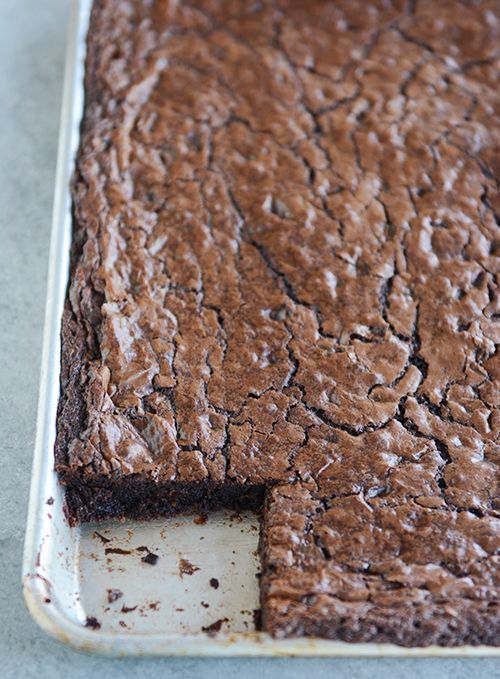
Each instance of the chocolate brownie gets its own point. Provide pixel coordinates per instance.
(385, 568)
(284, 284)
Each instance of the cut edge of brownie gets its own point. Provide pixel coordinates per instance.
(138, 497)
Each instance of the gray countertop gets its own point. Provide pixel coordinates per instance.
(32, 43)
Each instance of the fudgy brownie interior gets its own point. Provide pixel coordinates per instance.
(284, 283)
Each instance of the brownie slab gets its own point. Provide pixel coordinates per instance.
(361, 568)
(284, 280)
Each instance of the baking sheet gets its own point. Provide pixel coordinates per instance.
(181, 586)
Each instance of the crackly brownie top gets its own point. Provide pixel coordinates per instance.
(363, 567)
(285, 256)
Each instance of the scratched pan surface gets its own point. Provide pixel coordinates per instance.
(182, 586)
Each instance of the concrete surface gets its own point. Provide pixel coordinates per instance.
(32, 41)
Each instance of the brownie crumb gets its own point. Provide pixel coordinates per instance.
(102, 538)
(205, 605)
(150, 558)
(116, 550)
(200, 519)
(50, 501)
(128, 609)
(215, 627)
(214, 583)
(92, 622)
(114, 595)
(187, 568)
(257, 619)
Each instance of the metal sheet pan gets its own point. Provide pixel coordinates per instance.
(90, 586)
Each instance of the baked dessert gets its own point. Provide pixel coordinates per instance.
(284, 292)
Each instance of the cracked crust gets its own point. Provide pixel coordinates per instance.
(342, 567)
(285, 270)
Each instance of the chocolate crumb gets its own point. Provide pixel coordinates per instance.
(116, 550)
(122, 623)
(205, 605)
(201, 519)
(142, 548)
(50, 501)
(150, 558)
(214, 583)
(128, 609)
(102, 538)
(114, 594)
(257, 619)
(212, 629)
(92, 622)
(187, 568)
